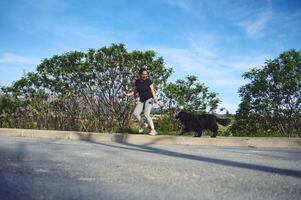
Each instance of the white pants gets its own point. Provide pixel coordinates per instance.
(147, 110)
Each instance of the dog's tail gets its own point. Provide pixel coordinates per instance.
(223, 122)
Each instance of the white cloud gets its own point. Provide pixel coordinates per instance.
(67, 32)
(247, 63)
(11, 58)
(256, 27)
(206, 66)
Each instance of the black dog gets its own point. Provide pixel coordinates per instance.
(199, 123)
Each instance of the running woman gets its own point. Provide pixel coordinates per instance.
(147, 97)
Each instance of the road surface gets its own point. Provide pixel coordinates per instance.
(32, 168)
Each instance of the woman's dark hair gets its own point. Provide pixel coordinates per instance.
(142, 70)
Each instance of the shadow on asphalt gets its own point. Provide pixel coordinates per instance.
(19, 178)
(15, 157)
(149, 149)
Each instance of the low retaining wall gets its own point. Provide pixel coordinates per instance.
(147, 139)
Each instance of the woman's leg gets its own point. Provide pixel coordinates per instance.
(137, 111)
(147, 111)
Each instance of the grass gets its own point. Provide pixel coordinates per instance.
(223, 131)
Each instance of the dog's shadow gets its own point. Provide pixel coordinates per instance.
(121, 143)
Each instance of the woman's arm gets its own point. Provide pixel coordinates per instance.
(132, 92)
(153, 93)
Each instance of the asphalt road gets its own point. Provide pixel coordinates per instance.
(66, 169)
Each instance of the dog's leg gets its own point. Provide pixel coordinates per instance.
(183, 130)
(198, 134)
(214, 129)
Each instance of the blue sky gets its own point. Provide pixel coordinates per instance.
(215, 40)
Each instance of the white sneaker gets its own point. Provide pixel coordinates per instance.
(153, 133)
(143, 125)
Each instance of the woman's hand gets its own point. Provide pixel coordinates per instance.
(127, 94)
(155, 100)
